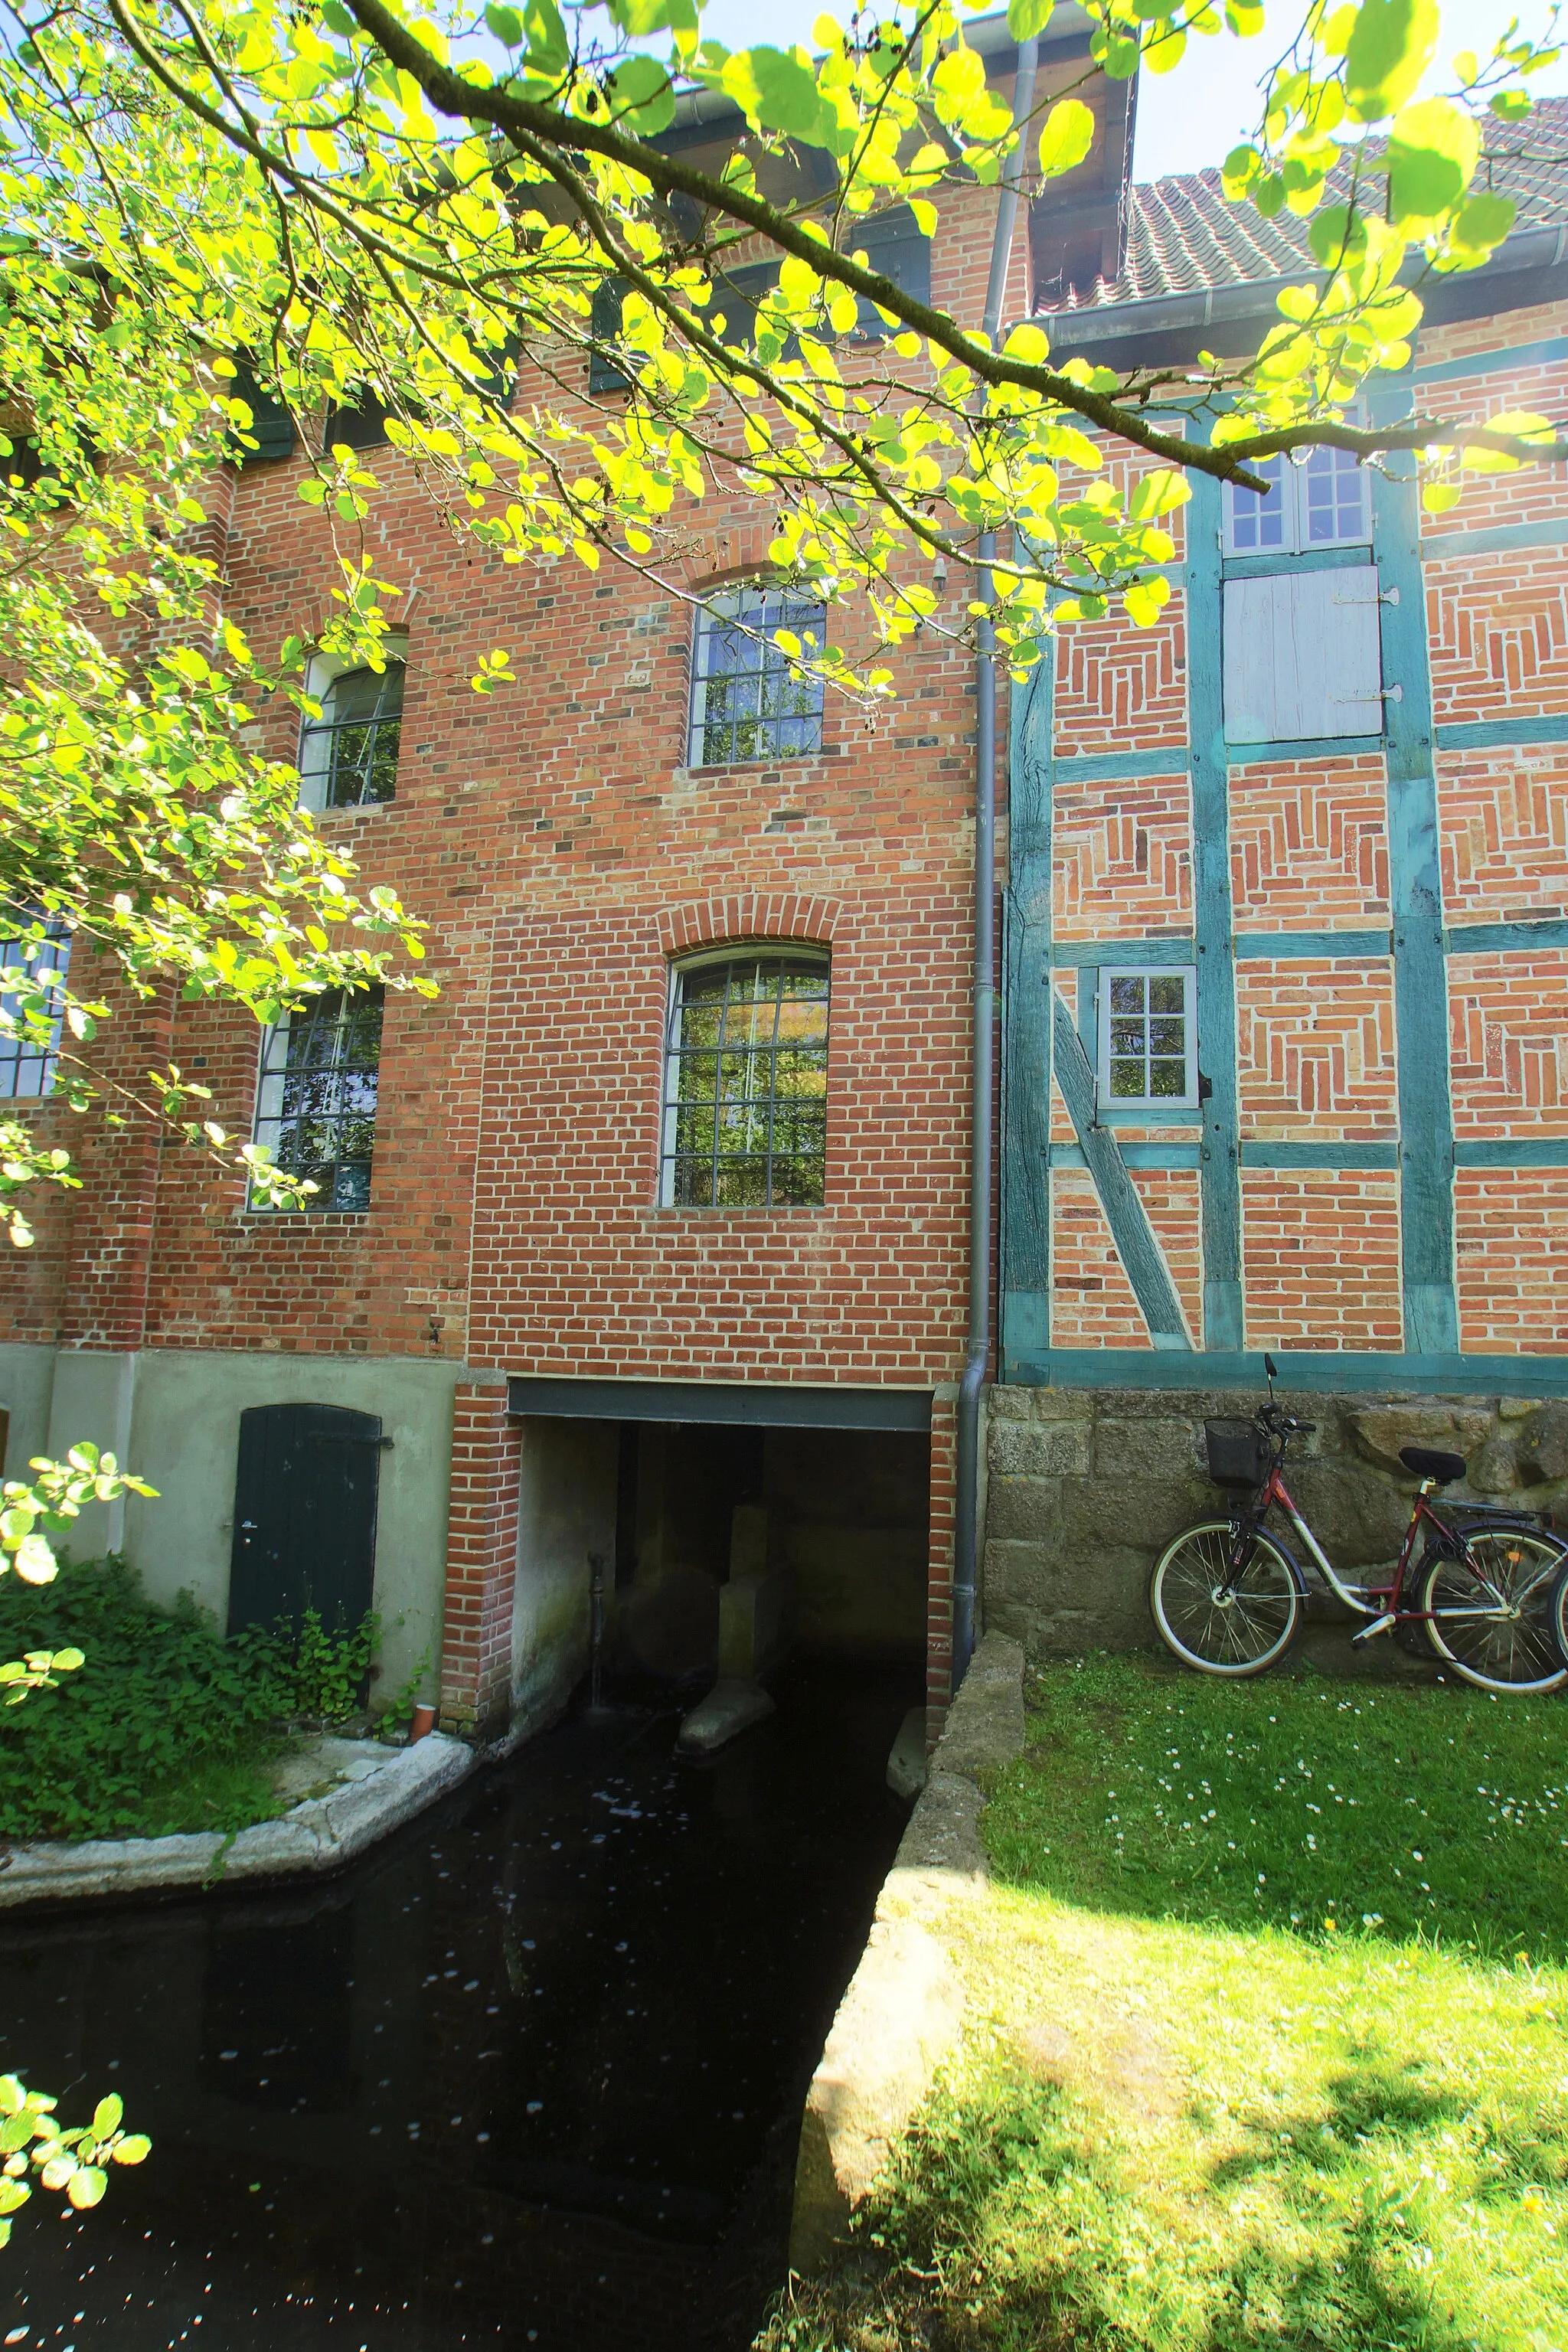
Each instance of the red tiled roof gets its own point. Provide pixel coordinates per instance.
(1185, 237)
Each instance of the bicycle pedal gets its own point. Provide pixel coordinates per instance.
(1379, 1625)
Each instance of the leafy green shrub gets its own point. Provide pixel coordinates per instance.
(314, 1673)
(165, 1725)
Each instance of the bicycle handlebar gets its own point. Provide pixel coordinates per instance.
(1275, 1418)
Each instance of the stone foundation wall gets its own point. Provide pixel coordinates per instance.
(1087, 1486)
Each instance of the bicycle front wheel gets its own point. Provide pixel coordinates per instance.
(1491, 1614)
(1221, 1620)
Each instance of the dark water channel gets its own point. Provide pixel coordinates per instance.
(529, 2075)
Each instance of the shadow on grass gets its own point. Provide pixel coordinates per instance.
(1017, 2222)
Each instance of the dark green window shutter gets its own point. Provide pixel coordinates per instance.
(271, 426)
(895, 245)
(605, 326)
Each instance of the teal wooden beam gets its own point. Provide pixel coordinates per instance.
(1309, 558)
(1167, 947)
(1502, 939)
(1530, 1151)
(1130, 1231)
(1220, 1174)
(1025, 1254)
(1159, 1156)
(1487, 734)
(1420, 978)
(1522, 355)
(1313, 747)
(1281, 947)
(1498, 540)
(1119, 767)
(1352, 1157)
(1321, 1369)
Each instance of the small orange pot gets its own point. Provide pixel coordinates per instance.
(423, 1721)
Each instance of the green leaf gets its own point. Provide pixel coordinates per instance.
(1433, 152)
(506, 25)
(107, 2115)
(1145, 601)
(86, 2187)
(640, 88)
(1482, 225)
(1026, 18)
(1157, 493)
(777, 90)
(1389, 50)
(549, 50)
(1066, 136)
(639, 17)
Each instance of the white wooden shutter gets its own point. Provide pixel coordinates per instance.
(1302, 657)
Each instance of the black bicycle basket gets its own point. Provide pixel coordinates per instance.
(1238, 1456)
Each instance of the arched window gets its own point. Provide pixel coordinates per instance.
(745, 1094)
(348, 757)
(746, 701)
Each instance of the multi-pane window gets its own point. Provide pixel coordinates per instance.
(349, 756)
(1322, 503)
(30, 968)
(747, 700)
(746, 1082)
(1148, 1037)
(315, 1106)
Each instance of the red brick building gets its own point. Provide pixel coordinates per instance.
(529, 1321)
(591, 1275)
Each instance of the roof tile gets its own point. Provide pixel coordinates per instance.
(1185, 236)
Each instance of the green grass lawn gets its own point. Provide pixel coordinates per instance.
(1267, 2037)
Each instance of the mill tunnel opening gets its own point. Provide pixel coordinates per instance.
(724, 1552)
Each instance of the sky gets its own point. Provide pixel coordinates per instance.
(1193, 116)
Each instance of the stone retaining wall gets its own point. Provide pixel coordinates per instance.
(1087, 1486)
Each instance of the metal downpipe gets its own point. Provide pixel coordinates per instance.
(982, 1112)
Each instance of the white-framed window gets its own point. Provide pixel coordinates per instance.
(348, 757)
(747, 701)
(1324, 501)
(1149, 1035)
(33, 964)
(746, 1088)
(316, 1097)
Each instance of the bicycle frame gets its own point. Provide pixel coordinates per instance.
(1381, 1602)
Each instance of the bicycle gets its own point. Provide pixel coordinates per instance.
(1227, 1594)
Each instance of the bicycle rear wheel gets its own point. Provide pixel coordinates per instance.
(1216, 1620)
(1491, 1615)
(1558, 1618)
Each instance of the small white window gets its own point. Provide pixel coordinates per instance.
(1321, 501)
(1148, 1037)
(348, 757)
(1302, 656)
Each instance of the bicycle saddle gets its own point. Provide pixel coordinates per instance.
(1444, 1467)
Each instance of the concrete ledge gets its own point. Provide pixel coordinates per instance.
(904, 2006)
(376, 1790)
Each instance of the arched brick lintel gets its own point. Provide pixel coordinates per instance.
(748, 915)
